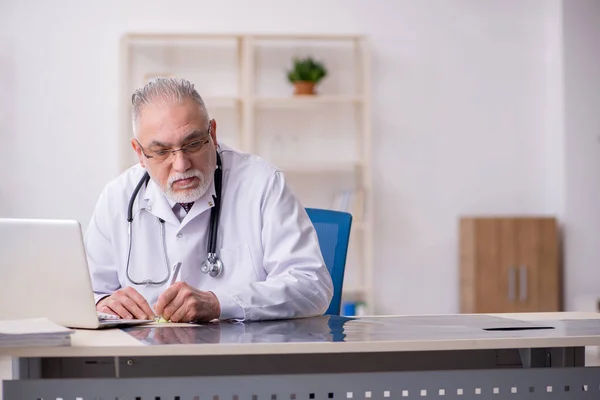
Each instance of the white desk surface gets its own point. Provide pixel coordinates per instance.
(322, 335)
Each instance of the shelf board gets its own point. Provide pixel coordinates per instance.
(144, 36)
(307, 36)
(306, 100)
(321, 168)
(170, 38)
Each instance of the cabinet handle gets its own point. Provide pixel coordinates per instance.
(523, 282)
(512, 275)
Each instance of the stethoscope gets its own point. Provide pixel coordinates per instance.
(213, 266)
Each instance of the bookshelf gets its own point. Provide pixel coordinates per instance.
(321, 142)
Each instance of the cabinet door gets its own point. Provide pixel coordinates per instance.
(527, 241)
(508, 279)
(509, 265)
(547, 267)
(538, 265)
(495, 284)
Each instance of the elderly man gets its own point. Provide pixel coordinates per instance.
(199, 231)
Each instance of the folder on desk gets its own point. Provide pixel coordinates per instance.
(33, 332)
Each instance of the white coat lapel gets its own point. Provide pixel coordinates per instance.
(158, 205)
(201, 205)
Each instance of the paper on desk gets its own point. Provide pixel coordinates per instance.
(33, 332)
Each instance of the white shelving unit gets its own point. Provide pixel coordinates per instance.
(321, 142)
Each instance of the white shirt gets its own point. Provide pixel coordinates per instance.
(272, 263)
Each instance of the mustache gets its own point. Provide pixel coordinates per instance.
(185, 175)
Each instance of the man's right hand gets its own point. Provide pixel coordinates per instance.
(127, 303)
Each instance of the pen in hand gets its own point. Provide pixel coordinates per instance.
(176, 268)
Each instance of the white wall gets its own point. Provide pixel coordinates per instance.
(581, 29)
(461, 126)
(553, 142)
(461, 106)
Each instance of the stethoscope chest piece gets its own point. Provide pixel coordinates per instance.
(212, 265)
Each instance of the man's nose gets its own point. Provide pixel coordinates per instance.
(181, 162)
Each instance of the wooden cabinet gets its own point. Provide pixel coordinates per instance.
(509, 265)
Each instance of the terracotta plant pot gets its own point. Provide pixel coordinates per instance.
(304, 87)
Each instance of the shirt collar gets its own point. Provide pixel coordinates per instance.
(161, 206)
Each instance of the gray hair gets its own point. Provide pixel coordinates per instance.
(164, 90)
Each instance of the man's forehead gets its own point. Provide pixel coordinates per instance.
(171, 118)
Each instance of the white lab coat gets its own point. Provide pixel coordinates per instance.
(272, 264)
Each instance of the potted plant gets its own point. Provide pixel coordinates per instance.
(305, 75)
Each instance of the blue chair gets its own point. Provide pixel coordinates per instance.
(333, 230)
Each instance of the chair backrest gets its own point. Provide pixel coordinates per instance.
(333, 230)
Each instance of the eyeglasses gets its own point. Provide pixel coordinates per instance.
(196, 147)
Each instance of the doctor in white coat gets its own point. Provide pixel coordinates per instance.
(271, 262)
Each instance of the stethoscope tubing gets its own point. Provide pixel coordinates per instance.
(212, 265)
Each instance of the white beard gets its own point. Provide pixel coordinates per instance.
(192, 194)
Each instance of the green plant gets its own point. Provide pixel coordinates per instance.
(306, 69)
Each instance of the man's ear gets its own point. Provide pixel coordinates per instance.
(213, 131)
(138, 151)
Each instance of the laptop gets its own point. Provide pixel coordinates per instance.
(45, 274)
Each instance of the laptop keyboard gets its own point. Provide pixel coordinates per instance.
(105, 316)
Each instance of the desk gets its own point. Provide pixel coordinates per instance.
(463, 357)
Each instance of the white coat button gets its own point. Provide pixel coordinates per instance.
(180, 235)
(149, 208)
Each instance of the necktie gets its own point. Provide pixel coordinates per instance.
(187, 206)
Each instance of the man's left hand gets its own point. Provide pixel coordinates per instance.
(183, 303)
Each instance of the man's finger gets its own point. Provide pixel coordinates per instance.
(133, 308)
(118, 309)
(174, 305)
(142, 303)
(191, 316)
(165, 298)
(179, 314)
(106, 309)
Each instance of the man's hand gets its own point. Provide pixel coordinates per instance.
(127, 303)
(183, 303)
